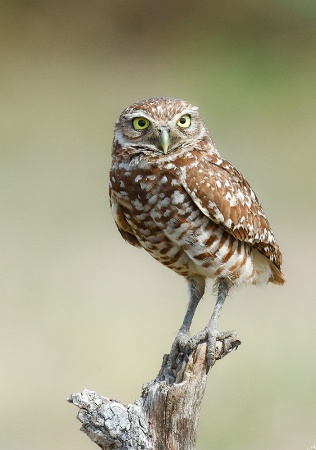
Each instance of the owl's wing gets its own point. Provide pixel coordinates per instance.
(121, 223)
(223, 195)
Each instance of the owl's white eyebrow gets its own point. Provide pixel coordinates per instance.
(137, 114)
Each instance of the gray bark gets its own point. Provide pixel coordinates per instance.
(166, 415)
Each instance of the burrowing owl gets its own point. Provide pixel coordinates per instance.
(174, 195)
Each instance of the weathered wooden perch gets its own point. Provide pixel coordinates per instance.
(166, 415)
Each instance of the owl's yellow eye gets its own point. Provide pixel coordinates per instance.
(140, 123)
(184, 121)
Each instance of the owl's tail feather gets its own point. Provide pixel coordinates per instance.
(277, 276)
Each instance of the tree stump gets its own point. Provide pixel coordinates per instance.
(166, 415)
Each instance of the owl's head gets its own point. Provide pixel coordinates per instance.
(159, 125)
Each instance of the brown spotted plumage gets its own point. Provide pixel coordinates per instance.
(175, 196)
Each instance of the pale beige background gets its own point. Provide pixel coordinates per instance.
(80, 307)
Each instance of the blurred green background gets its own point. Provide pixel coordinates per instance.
(80, 307)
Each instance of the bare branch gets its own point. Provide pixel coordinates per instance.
(166, 415)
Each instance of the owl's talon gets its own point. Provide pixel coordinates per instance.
(212, 336)
(219, 343)
(179, 351)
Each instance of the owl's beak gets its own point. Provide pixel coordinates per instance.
(164, 139)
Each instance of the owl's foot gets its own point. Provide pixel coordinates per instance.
(179, 351)
(219, 344)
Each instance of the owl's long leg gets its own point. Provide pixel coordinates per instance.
(197, 288)
(212, 331)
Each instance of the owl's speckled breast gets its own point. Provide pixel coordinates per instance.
(172, 229)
